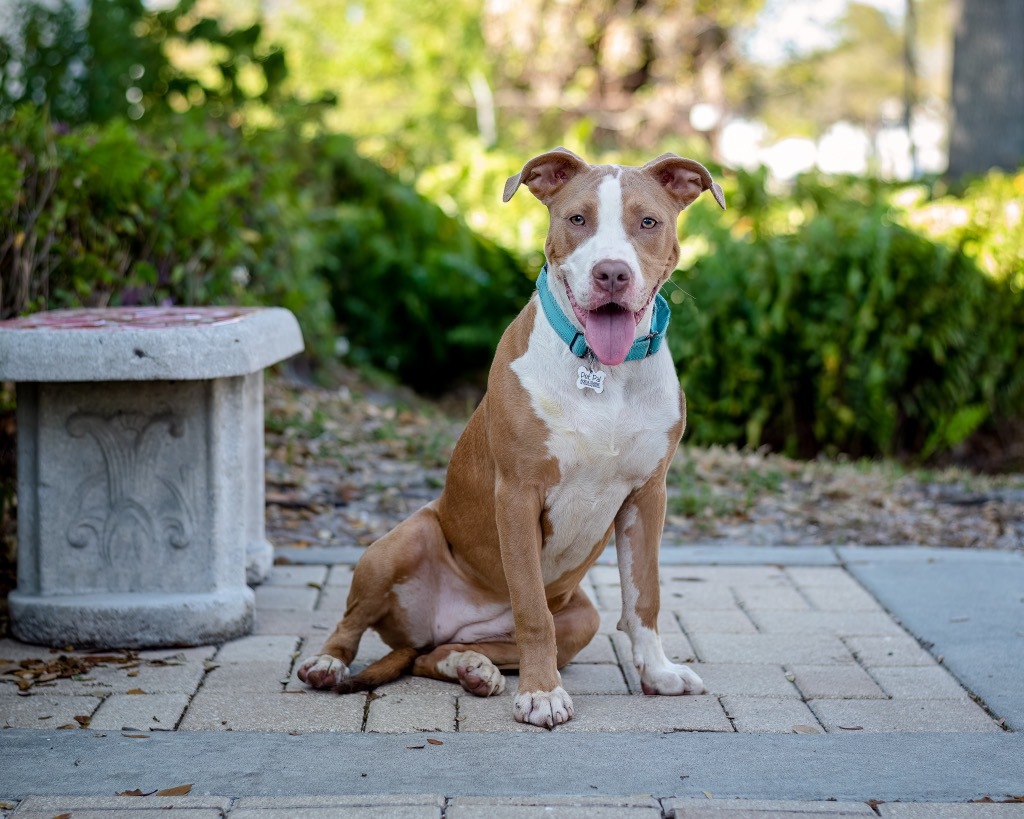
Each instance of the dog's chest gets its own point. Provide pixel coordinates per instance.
(606, 445)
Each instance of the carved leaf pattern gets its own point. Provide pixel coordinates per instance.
(132, 505)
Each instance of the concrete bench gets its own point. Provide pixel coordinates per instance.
(140, 471)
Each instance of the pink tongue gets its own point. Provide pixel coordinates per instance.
(610, 333)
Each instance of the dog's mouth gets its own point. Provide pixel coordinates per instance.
(609, 329)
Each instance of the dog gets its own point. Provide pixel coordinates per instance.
(572, 441)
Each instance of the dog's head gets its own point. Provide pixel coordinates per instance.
(612, 241)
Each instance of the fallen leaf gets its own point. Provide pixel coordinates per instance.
(415, 747)
(435, 742)
(180, 790)
(852, 727)
(74, 725)
(314, 585)
(707, 794)
(176, 659)
(62, 816)
(136, 792)
(805, 729)
(134, 691)
(136, 736)
(874, 803)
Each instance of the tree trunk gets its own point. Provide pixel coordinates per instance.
(988, 87)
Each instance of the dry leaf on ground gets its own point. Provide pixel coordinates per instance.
(180, 790)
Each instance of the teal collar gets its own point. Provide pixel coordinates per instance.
(642, 348)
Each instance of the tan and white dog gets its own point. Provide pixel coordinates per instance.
(558, 455)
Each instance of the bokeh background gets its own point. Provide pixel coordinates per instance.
(862, 296)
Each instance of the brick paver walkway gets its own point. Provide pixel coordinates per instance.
(781, 649)
(797, 647)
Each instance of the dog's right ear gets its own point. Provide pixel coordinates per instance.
(544, 175)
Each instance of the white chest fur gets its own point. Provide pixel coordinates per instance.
(606, 444)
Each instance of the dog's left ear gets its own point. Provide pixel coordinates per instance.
(545, 175)
(684, 179)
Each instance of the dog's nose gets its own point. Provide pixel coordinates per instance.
(611, 276)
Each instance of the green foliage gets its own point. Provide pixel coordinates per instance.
(818, 322)
(116, 60)
(203, 213)
(415, 291)
(197, 214)
(401, 70)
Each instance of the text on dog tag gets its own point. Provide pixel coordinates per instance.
(590, 380)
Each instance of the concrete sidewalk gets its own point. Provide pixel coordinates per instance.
(836, 677)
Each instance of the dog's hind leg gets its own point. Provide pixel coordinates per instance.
(575, 626)
(474, 666)
(398, 555)
(477, 666)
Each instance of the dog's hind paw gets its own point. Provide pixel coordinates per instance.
(323, 671)
(478, 674)
(545, 709)
(671, 679)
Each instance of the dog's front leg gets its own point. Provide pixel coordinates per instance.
(541, 699)
(638, 527)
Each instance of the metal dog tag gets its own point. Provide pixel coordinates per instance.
(590, 380)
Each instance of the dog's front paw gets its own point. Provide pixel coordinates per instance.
(478, 674)
(323, 671)
(671, 679)
(545, 709)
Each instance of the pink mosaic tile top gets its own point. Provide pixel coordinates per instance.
(137, 318)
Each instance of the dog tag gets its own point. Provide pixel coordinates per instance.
(590, 380)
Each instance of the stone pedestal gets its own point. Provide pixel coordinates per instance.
(140, 472)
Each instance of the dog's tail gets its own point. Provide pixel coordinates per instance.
(387, 668)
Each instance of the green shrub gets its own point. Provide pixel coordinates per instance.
(416, 292)
(819, 323)
(113, 60)
(199, 212)
(195, 213)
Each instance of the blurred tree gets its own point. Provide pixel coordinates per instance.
(860, 79)
(636, 69)
(988, 87)
(42, 60)
(404, 71)
(118, 58)
(415, 77)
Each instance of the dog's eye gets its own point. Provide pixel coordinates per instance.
(578, 219)
(647, 222)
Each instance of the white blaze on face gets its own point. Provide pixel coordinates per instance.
(608, 243)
